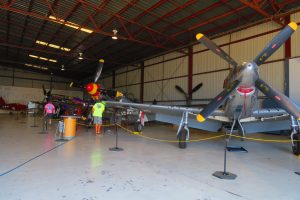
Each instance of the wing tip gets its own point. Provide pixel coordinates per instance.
(293, 25)
(199, 36)
(101, 60)
(200, 118)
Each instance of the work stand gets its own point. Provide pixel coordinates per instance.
(60, 129)
(225, 174)
(116, 148)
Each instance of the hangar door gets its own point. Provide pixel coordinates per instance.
(294, 81)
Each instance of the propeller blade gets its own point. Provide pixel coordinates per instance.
(214, 48)
(217, 101)
(275, 43)
(196, 88)
(179, 89)
(99, 70)
(279, 98)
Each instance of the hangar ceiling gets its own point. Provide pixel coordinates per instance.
(40, 34)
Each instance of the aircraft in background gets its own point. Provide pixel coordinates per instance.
(12, 106)
(95, 89)
(188, 95)
(239, 98)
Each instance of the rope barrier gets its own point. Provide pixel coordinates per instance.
(170, 141)
(209, 138)
(194, 140)
(265, 140)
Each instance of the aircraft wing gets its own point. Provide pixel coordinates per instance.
(269, 112)
(173, 114)
(262, 120)
(267, 120)
(159, 108)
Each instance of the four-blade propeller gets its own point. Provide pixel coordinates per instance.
(270, 48)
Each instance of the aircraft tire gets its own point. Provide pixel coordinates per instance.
(182, 139)
(138, 127)
(296, 147)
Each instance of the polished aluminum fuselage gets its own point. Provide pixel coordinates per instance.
(243, 99)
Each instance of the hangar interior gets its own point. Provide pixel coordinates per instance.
(56, 45)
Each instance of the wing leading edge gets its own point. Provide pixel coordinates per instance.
(173, 114)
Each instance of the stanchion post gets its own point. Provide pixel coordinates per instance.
(17, 117)
(23, 118)
(34, 118)
(45, 126)
(224, 174)
(116, 148)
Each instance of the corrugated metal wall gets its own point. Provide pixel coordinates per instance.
(127, 81)
(107, 82)
(296, 36)
(20, 86)
(23, 78)
(153, 73)
(153, 90)
(162, 73)
(160, 79)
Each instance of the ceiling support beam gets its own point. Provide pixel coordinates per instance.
(209, 21)
(131, 22)
(103, 4)
(183, 20)
(42, 17)
(188, 3)
(255, 6)
(25, 28)
(159, 18)
(108, 22)
(66, 17)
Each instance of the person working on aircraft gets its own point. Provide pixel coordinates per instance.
(49, 110)
(97, 110)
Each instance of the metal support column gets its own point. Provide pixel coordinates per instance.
(142, 83)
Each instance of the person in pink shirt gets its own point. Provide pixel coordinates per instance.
(49, 110)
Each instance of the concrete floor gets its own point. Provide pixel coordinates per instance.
(85, 169)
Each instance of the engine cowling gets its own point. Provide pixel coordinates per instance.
(94, 90)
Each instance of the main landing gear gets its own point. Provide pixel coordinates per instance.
(138, 126)
(295, 136)
(183, 132)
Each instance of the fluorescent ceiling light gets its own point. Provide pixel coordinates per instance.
(33, 56)
(52, 45)
(42, 58)
(70, 24)
(51, 60)
(36, 66)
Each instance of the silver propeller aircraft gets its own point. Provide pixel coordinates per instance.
(239, 98)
